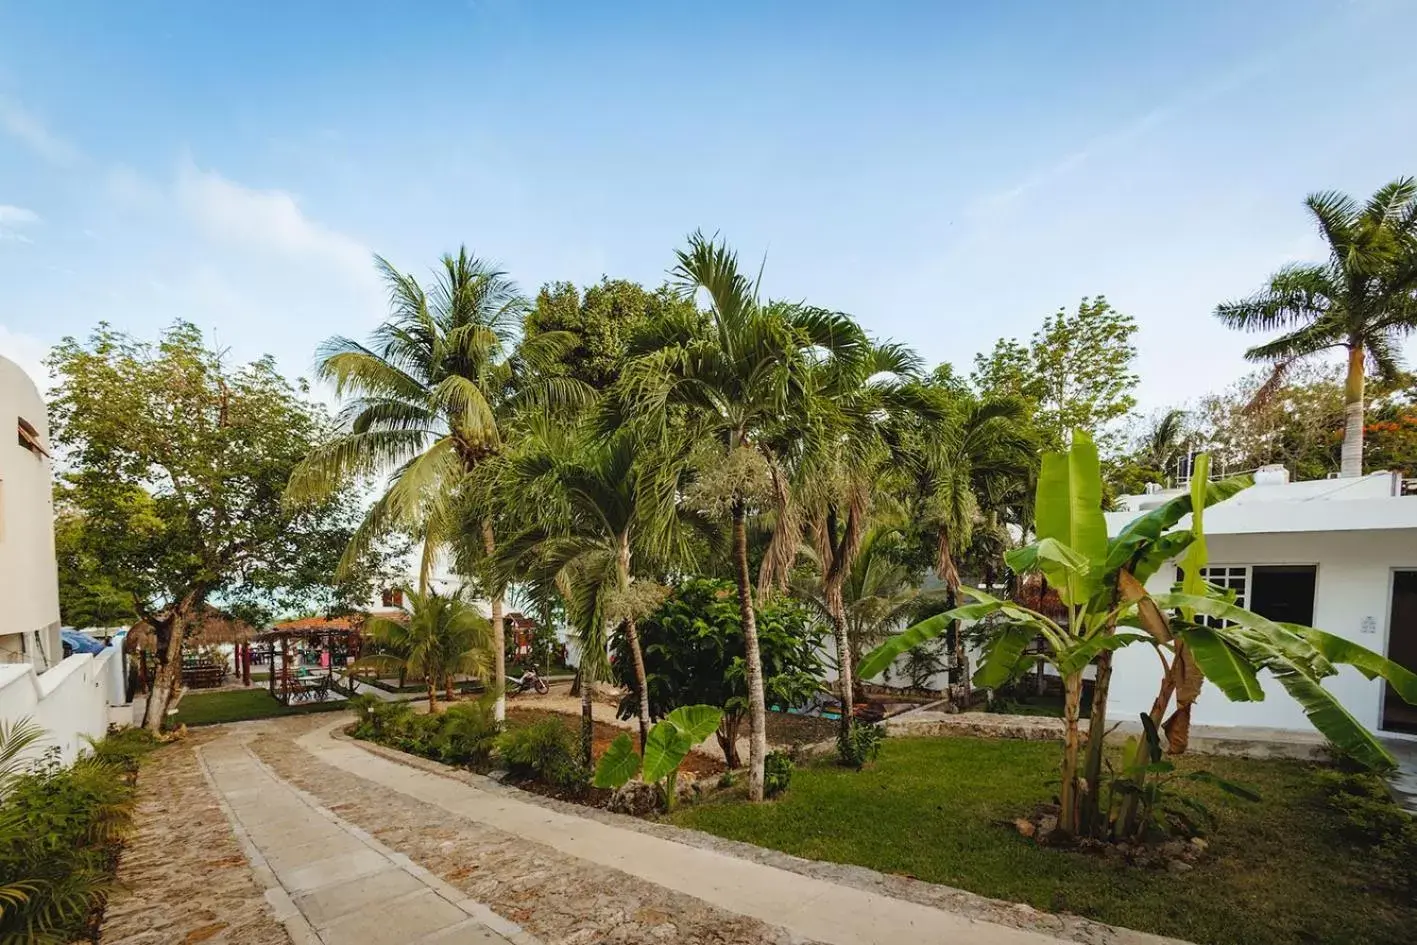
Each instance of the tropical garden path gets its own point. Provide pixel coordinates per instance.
(566, 874)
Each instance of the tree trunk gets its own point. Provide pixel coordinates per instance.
(837, 608)
(448, 687)
(1067, 794)
(949, 573)
(587, 726)
(245, 651)
(168, 678)
(1352, 465)
(432, 694)
(499, 638)
(637, 656)
(757, 708)
(1096, 734)
(727, 736)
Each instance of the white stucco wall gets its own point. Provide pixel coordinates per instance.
(69, 701)
(1352, 596)
(29, 585)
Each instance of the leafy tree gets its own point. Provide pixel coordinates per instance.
(176, 464)
(1076, 372)
(1391, 434)
(443, 637)
(695, 654)
(1362, 299)
(433, 397)
(603, 319)
(1297, 423)
(740, 382)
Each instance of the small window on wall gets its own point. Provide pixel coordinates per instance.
(1283, 593)
(29, 438)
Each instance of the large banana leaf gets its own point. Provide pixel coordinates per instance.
(1260, 639)
(1068, 509)
(1371, 665)
(619, 764)
(1223, 665)
(1047, 555)
(1197, 557)
(1155, 523)
(931, 627)
(1076, 657)
(1003, 657)
(1332, 719)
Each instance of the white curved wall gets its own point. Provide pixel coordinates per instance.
(29, 583)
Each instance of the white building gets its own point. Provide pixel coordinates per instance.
(69, 698)
(1337, 554)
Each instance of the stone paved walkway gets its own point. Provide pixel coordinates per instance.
(329, 881)
(353, 843)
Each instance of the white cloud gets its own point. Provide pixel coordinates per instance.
(28, 352)
(20, 123)
(16, 216)
(266, 220)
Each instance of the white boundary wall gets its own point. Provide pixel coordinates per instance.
(69, 701)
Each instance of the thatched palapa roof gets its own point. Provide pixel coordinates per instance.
(213, 627)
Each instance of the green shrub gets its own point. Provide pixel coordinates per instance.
(467, 734)
(545, 750)
(60, 832)
(123, 748)
(777, 773)
(860, 745)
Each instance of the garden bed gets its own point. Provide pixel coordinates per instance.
(1286, 869)
(697, 763)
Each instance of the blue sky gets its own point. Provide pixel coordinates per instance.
(947, 172)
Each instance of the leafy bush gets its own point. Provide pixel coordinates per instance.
(693, 652)
(123, 748)
(544, 750)
(467, 733)
(859, 745)
(777, 773)
(60, 831)
(669, 743)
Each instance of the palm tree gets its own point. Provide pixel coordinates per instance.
(839, 468)
(741, 381)
(967, 463)
(431, 395)
(598, 509)
(1163, 441)
(443, 637)
(1363, 299)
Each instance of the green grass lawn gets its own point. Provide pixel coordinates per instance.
(237, 705)
(1278, 872)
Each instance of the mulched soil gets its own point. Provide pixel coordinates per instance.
(697, 763)
(787, 729)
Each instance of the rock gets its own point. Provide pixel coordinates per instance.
(635, 798)
(1047, 824)
(1179, 866)
(1172, 848)
(1025, 826)
(1199, 844)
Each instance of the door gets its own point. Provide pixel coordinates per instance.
(1398, 716)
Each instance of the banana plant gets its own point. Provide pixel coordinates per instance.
(1101, 582)
(669, 742)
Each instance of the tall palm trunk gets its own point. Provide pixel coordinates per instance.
(949, 573)
(1352, 463)
(1068, 793)
(845, 688)
(432, 694)
(757, 708)
(587, 724)
(499, 637)
(632, 633)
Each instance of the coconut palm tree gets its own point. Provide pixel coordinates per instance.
(1362, 299)
(1163, 441)
(740, 381)
(431, 399)
(443, 637)
(599, 509)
